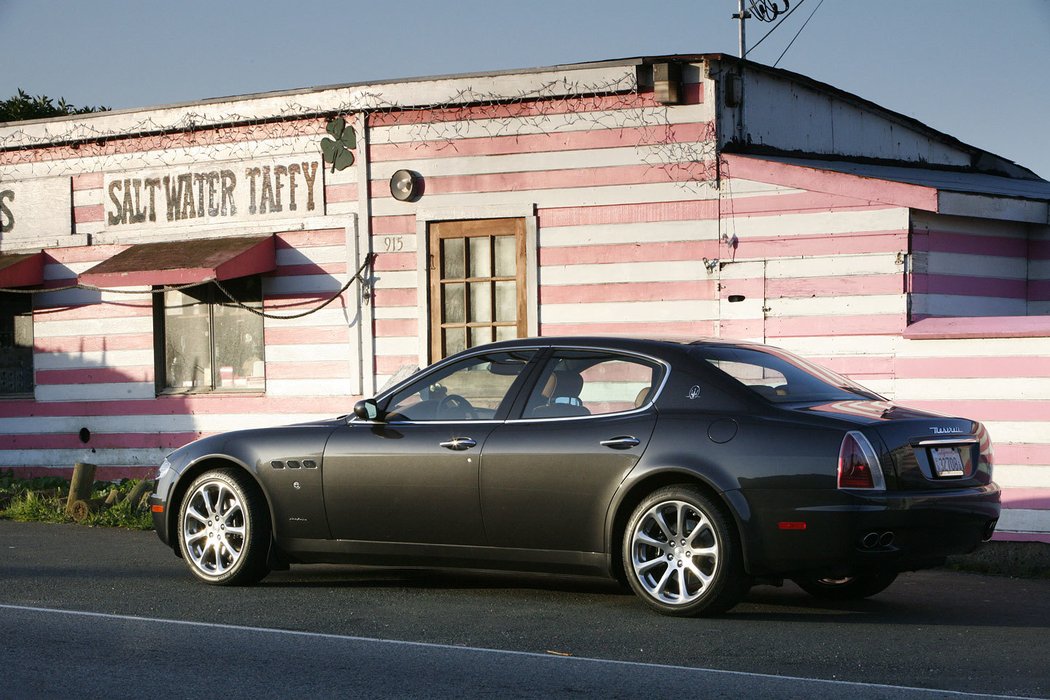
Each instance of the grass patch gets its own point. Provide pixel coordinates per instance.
(44, 500)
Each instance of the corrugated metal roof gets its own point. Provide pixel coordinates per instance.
(943, 180)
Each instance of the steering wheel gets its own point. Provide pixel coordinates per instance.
(455, 404)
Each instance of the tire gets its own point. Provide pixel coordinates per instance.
(224, 529)
(856, 587)
(682, 555)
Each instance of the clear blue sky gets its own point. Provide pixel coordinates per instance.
(975, 69)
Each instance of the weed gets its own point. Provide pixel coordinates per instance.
(44, 500)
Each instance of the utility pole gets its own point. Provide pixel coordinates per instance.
(742, 16)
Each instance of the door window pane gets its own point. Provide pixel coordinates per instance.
(455, 303)
(506, 256)
(480, 301)
(453, 266)
(480, 335)
(480, 256)
(506, 301)
(455, 340)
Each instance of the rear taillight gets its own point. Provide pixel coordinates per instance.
(859, 465)
(984, 441)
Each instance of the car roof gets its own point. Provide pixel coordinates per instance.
(636, 343)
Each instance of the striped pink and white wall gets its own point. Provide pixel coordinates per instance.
(1001, 377)
(968, 267)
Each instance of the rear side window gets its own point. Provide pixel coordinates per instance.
(583, 383)
(779, 376)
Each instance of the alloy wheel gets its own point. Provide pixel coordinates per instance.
(675, 552)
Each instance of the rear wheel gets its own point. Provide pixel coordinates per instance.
(224, 528)
(848, 587)
(682, 555)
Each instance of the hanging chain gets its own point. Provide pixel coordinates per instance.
(369, 258)
(259, 312)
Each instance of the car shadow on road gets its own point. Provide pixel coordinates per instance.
(918, 599)
(959, 600)
(329, 575)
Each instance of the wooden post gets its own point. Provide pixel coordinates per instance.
(80, 485)
(139, 493)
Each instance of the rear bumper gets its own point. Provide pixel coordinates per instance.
(840, 533)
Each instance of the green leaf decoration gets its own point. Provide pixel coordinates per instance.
(338, 149)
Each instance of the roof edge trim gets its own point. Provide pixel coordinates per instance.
(833, 182)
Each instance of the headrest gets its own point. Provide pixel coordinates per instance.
(567, 384)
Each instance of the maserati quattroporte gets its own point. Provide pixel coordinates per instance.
(689, 470)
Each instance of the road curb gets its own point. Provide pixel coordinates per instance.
(1016, 559)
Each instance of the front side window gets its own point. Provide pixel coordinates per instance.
(206, 342)
(16, 343)
(584, 383)
(471, 389)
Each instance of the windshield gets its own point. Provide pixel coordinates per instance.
(779, 376)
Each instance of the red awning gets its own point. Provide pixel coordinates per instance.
(184, 262)
(21, 269)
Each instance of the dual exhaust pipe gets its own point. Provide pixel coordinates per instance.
(877, 540)
(884, 539)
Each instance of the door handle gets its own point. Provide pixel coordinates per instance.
(624, 442)
(459, 443)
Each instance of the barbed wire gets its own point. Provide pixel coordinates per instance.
(615, 103)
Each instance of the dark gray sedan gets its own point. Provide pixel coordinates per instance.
(692, 471)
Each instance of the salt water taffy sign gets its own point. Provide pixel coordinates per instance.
(217, 192)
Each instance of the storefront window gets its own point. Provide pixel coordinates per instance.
(206, 342)
(16, 343)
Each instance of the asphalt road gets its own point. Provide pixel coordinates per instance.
(108, 613)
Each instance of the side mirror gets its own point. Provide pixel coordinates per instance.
(366, 409)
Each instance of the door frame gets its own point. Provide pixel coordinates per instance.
(530, 274)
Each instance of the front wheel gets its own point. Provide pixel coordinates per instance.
(847, 587)
(224, 529)
(682, 555)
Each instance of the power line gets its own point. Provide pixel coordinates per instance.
(775, 26)
(799, 31)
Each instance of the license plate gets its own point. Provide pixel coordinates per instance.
(947, 462)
